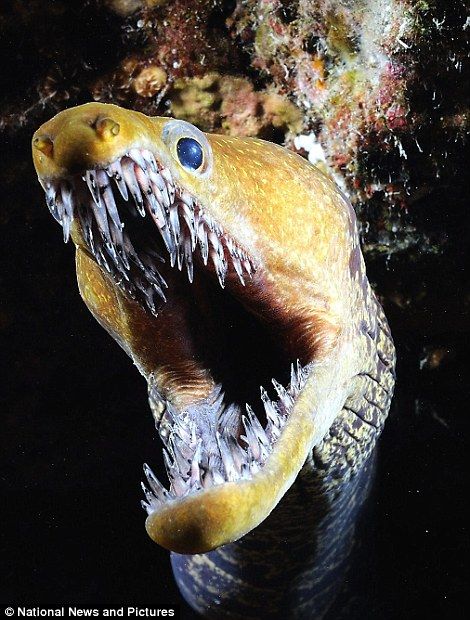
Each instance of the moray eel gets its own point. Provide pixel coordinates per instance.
(222, 264)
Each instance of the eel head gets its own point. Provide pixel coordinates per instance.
(220, 265)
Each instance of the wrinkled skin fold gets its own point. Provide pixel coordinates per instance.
(218, 264)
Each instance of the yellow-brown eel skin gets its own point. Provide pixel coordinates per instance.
(146, 200)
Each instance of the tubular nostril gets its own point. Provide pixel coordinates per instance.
(106, 128)
(44, 144)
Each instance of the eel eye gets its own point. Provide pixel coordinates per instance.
(190, 153)
(189, 147)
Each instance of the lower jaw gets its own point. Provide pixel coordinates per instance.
(224, 513)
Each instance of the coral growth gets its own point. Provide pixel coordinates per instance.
(230, 104)
(366, 74)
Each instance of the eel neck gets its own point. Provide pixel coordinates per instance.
(293, 565)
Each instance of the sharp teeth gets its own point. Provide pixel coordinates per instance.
(284, 396)
(117, 174)
(293, 377)
(129, 176)
(67, 216)
(173, 254)
(108, 198)
(188, 255)
(160, 191)
(86, 226)
(171, 468)
(195, 477)
(203, 242)
(155, 485)
(192, 460)
(187, 199)
(220, 267)
(66, 221)
(256, 426)
(161, 196)
(151, 503)
(300, 376)
(156, 210)
(218, 258)
(90, 179)
(271, 412)
(180, 255)
(227, 459)
(101, 218)
(156, 288)
(238, 269)
(214, 240)
(175, 223)
(67, 200)
(188, 215)
(156, 178)
(209, 221)
(159, 218)
(131, 253)
(150, 159)
(154, 191)
(177, 447)
(114, 169)
(50, 191)
(230, 420)
(251, 439)
(138, 158)
(116, 248)
(102, 262)
(115, 224)
(239, 455)
(247, 265)
(166, 174)
(143, 180)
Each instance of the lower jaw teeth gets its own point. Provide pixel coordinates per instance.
(203, 443)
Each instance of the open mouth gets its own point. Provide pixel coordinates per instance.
(229, 269)
(158, 245)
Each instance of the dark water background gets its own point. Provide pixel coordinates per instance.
(76, 429)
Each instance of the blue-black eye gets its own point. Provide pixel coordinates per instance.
(189, 153)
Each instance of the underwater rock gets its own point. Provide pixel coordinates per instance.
(371, 78)
(150, 81)
(230, 104)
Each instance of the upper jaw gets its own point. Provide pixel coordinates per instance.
(148, 188)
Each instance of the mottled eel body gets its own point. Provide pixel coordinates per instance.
(218, 263)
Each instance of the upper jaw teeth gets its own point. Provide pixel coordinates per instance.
(203, 444)
(182, 224)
